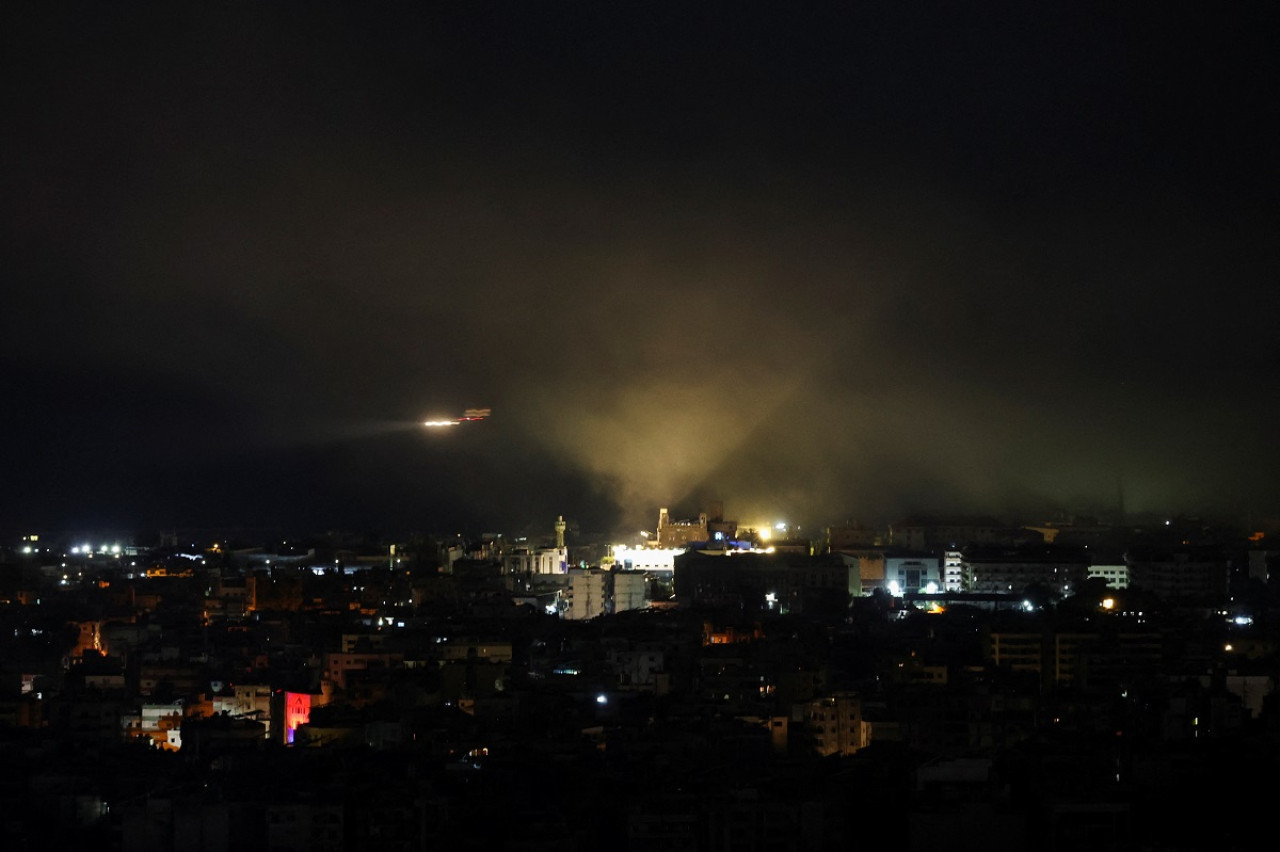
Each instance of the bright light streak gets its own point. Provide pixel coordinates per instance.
(469, 415)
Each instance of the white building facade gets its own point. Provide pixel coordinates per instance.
(585, 596)
(911, 573)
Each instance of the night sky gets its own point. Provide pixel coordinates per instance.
(819, 262)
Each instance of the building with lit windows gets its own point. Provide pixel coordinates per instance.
(953, 576)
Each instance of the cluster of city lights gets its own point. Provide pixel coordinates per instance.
(930, 588)
(87, 549)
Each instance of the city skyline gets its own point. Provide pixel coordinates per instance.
(852, 262)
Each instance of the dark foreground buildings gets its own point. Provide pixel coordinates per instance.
(333, 699)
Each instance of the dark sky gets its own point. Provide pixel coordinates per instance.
(820, 262)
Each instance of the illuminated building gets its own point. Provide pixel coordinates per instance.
(586, 593)
(251, 701)
(291, 709)
(906, 572)
(89, 638)
(1116, 574)
(630, 591)
(585, 596)
(835, 724)
(894, 571)
(953, 576)
(681, 533)
(654, 559)
(161, 723)
(526, 561)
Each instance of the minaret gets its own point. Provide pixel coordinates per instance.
(560, 532)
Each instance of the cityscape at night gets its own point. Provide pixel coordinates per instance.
(703, 684)
(570, 426)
